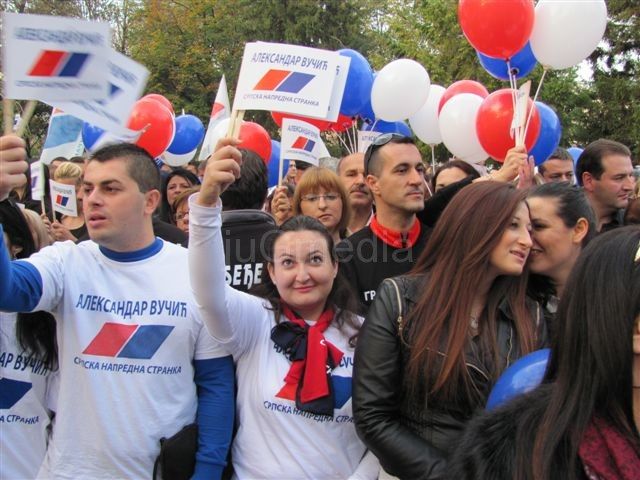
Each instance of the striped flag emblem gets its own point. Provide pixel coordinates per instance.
(284, 81)
(304, 143)
(57, 63)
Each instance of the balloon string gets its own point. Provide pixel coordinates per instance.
(340, 138)
(373, 127)
(514, 98)
(347, 132)
(354, 129)
(535, 97)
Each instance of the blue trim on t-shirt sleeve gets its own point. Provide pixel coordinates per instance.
(134, 256)
(215, 380)
(20, 282)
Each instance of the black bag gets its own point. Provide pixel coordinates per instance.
(177, 458)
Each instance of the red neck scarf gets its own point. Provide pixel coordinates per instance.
(394, 238)
(606, 454)
(312, 359)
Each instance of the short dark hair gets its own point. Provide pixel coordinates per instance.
(590, 159)
(461, 164)
(372, 166)
(558, 154)
(572, 205)
(250, 190)
(140, 165)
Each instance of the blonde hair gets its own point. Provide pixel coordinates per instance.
(68, 171)
(316, 178)
(38, 229)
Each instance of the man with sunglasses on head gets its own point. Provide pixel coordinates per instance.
(392, 242)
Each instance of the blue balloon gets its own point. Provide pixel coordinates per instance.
(575, 153)
(388, 127)
(521, 377)
(357, 89)
(189, 134)
(274, 163)
(522, 63)
(550, 133)
(90, 135)
(366, 111)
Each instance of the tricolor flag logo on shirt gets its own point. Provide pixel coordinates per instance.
(11, 391)
(128, 341)
(57, 63)
(304, 143)
(341, 391)
(284, 81)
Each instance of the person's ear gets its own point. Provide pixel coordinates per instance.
(372, 183)
(588, 181)
(151, 201)
(580, 230)
(636, 337)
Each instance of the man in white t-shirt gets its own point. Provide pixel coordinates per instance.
(134, 364)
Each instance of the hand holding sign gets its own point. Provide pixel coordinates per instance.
(223, 168)
(13, 164)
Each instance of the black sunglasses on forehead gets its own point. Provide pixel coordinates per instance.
(379, 142)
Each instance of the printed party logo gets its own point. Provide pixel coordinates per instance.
(128, 341)
(57, 63)
(285, 81)
(304, 143)
(62, 200)
(11, 391)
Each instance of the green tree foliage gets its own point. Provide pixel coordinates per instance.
(614, 107)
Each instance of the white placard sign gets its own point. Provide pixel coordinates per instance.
(366, 138)
(300, 141)
(286, 78)
(127, 80)
(63, 198)
(37, 180)
(342, 70)
(54, 58)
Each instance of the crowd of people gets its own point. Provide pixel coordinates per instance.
(348, 324)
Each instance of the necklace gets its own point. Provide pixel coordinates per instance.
(473, 322)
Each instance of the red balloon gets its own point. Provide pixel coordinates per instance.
(255, 138)
(497, 28)
(493, 124)
(160, 98)
(157, 122)
(321, 124)
(342, 123)
(462, 86)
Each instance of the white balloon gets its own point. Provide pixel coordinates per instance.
(177, 160)
(399, 90)
(566, 32)
(458, 127)
(424, 122)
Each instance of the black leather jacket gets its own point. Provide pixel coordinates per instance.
(413, 440)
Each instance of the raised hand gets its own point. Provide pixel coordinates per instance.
(223, 168)
(13, 164)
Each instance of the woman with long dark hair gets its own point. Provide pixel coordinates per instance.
(435, 341)
(28, 353)
(563, 224)
(583, 420)
(293, 344)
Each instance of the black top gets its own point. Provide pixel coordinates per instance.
(365, 260)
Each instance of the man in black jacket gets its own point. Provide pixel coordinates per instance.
(393, 240)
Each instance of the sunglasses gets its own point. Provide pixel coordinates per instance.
(379, 142)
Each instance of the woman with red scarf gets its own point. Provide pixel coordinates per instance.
(582, 422)
(293, 345)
